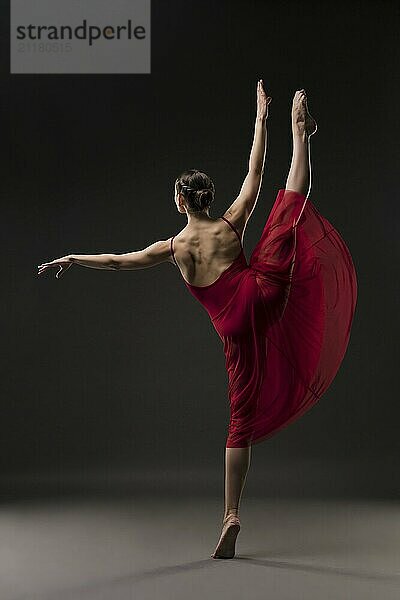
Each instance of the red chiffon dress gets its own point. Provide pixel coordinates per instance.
(284, 319)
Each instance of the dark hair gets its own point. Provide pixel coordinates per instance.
(197, 189)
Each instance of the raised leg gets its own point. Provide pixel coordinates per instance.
(303, 127)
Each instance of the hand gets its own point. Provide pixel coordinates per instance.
(63, 264)
(262, 100)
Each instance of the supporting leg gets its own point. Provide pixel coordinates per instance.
(303, 126)
(237, 463)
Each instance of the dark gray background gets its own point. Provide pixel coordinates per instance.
(123, 370)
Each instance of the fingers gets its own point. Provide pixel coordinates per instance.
(48, 264)
(61, 268)
(300, 94)
(261, 91)
(45, 266)
(44, 269)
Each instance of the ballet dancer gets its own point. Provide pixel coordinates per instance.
(284, 317)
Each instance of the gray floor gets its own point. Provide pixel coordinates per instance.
(143, 548)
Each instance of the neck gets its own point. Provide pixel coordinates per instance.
(197, 217)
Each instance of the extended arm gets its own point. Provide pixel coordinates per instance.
(242, 207)
(156, 253)
(252, 182)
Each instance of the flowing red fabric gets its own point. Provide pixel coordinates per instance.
(284, 318)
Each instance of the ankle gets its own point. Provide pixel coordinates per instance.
(231, 511)
(299, 137)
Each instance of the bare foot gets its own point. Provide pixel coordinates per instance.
(226, 545)
(302, 122)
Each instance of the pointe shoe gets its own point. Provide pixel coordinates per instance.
(226, 545)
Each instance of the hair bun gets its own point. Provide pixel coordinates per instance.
(198, 189)
(204, 197)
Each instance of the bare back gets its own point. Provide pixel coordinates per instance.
(203, 251)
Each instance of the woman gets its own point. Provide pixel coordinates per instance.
(284, 318)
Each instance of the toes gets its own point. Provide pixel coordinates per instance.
(299, 96)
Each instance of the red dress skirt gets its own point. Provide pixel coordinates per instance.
(284, 319)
